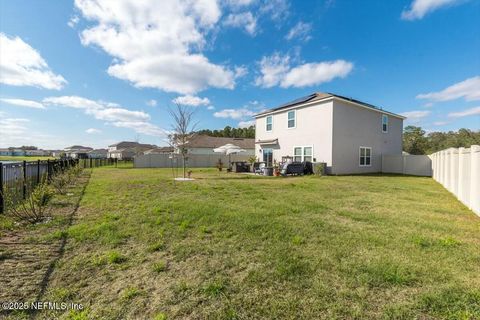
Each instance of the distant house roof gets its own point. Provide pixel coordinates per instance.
(77, 147)
(159, 150)
(203, 141)
(320, 96)
(132, 144)
(98, 151)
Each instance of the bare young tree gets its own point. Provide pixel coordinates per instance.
(183, 130)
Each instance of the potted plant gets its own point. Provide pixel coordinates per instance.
(276, 168)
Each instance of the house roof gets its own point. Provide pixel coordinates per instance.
(159, 150)
(203, 141)
(132, 144)
(98, 151)
(317, 96)
(78, 147)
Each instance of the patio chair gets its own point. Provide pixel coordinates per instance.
(258, 167)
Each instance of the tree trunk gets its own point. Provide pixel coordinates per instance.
(184, 167)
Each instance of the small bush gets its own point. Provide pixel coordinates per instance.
(34, 208)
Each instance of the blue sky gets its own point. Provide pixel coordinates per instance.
(97, 72)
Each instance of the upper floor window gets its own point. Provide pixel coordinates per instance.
(269, 125)
(365, 156)
(291, 119)
(384, 123)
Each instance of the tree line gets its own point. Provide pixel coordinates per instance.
(229, 132)
(417, 141)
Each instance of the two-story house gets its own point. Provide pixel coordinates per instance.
(350, 136)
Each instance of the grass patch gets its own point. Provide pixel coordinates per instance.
(160, 266)
(250, 247)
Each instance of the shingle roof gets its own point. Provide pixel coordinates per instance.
(319, 96)
(203, 141)
(132, 144)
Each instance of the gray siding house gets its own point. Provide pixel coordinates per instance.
(350, 136)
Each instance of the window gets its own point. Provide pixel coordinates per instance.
(291, 119)
(297, 154)
(301, 154)
(365, 156)
(269, 123)
(307, 154)
(384, 123)
(268, 157)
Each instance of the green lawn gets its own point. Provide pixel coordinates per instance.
(26, 158)
(231, 246)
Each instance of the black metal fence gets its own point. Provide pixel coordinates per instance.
(20, 178)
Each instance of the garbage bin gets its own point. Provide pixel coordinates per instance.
(268, 171)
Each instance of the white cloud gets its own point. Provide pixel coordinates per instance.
(415, 116)
(210, 108)
(277, 10)
(22, 65)
(273, 70)
(465, 113)
(244, 20)
(246, 124)
(240, 71)
(14, 126)
(152, 103)
(440, 123)
(93, 131)
(419, 8)
(301, 31)
(24, 103)
(235, 114)
(276, 70)
(468, 89)
(73, 21)
(157, 44)
(190, 100)
(112, 113)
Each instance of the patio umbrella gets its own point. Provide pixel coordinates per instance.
(229, 149)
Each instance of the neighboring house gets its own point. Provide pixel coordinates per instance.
(128, 149)
(202, 144)
(77, 152)
(98, 154)
(38, 153)
(350, 136)
(5, 152)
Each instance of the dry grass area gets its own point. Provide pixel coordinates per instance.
(231, 246)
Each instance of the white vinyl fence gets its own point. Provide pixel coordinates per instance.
(193, 161)
(415, 165)
(458, 170)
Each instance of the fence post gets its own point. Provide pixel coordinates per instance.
(90, 162)
(49, 173)
(24, 189)
(475, 179)
(38, 171)
(1, 189)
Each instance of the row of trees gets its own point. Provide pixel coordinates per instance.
(230, 132)
(417, 141)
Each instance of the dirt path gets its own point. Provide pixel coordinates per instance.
(28, 254)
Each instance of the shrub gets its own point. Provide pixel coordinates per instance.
(34, 208)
